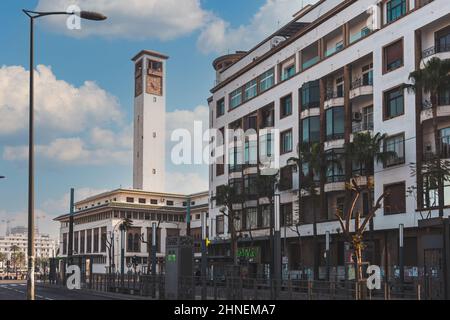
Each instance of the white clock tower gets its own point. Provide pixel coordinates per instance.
(149, 121)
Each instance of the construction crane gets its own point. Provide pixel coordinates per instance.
(8, 222)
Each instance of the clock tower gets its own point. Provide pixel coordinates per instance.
(149, 121)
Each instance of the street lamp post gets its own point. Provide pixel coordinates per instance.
(34, 15)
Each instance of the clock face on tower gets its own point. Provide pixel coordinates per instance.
(154, 85)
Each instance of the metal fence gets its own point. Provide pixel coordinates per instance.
(197, 288)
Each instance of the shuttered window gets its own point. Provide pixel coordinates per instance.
(395, 202)
(393, 56)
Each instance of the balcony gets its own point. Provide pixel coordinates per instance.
(362, 87)
(443, 109)
(335, 183)
(360, 35)
(309, 63)
(439, 51)
(362, 126)
(334, 99)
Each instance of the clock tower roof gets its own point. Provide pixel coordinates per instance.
(150, 53)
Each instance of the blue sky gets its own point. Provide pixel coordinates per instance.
(85, 96)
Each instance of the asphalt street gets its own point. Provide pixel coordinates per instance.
(17, 291)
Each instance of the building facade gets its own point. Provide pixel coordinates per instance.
(97, 239)
(338, 68)
(18, 242)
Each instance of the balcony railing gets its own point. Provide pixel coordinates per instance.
(442, 101)
(362, 82)
(310, 62)
(362, 34)
(362, 126)
(333, 50)
(435, 49)
(330, 94)
(336, 178)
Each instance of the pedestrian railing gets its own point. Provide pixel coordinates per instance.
(235, 288)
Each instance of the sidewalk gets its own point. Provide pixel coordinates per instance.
(115, 296)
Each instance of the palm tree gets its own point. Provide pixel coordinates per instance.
(312, 156)
(3, 257)
(227, 196)
(363, 152)
(432, 80)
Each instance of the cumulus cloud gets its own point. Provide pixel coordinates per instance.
(186, 183)
(132, 19)
(71, 151)
(185, 119)
(59, 106)
(219, 36)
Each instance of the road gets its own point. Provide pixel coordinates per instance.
(16, 290)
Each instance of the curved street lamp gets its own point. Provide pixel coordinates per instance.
(34, 15)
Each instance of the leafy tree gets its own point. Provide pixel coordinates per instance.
(227, 196)
(433, 79)
(312, 156)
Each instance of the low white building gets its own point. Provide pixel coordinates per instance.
(44, 245)
(97, 238)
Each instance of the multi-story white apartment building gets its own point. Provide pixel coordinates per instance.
(336, 69)
(96, 237)
(44, 245)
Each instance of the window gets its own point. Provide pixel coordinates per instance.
(395, 9)
(82, 241)
(367, 75)
(153, 201)
(394, 103)
(251, 186)
(367, 118)
(310, 95)
(251, 218)
(395, 144)
(142, 201)
(250, 90)
(288, 72)
(286, 217)
(443, 40)
(311, 130)
(267, 115)
(335, 118)
(236, 98)
(340, 87)
(237, 185)
(267, 147)
(393, 56)
(335, 167)
(267, 80)
(65, 243)
(445, 142)
(220, 165)
(129, 242)
(286, 142)
(89, 241)
(75, 242)
(395, 201)
(286, 106)
(130, 200)
(266, 214)
(169, 203)
(220, 227)
(251, 152)
(444, 97)
(96, 238)
(285, 178)
(220, 108)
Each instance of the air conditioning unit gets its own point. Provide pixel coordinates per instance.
(357, 117)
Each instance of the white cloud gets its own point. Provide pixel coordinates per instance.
(220, 36)
(184, 119)
(186, 183)
(72, 151)
(132, 19)
(59, 106)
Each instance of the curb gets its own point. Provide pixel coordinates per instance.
(116, 296)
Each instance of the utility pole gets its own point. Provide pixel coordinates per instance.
(204, 262)
(188, 216)
(70, 249)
